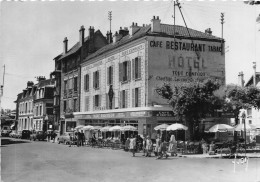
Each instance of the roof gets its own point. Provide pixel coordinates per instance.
(251, 82)
(74, 48)
(43, 83)
(166, 30)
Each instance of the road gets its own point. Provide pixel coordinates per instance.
(52, 162)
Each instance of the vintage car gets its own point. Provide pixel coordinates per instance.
(65, 138)
(26, 134)
(38, 135)
(13, 134)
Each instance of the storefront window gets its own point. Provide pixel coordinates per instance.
(70, 126)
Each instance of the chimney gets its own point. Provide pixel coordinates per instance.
(116, 37)
(208, 31)
(65, 45)
(156, 24)
(81, 35)
(123, 32)
(40, 78)
(133, 28)
(109, 37)
(91, 31)
(241, 79)
(29, 84)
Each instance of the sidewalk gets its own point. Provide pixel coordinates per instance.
(250, 155)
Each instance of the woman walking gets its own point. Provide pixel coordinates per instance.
(173, 146)
(149, 146)
(132, 145)
(157, 145)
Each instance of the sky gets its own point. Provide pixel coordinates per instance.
(32, 33)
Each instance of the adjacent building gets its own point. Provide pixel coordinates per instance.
(67, 75)
(118, 81)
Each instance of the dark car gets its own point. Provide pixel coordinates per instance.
(26, 134)
(38, 135)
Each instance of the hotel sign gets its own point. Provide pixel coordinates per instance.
(163, 113)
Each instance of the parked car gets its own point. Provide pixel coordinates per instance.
(38, 135)
(5, 133)
(18, 134)
(26, 134)
(65, 138)
(13, 134)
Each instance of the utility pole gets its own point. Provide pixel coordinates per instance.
(110, 19)
(2, 91)
(222, 22)
(254, 77)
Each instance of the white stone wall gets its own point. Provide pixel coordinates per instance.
(113, 59)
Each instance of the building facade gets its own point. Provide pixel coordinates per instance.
(118, 81)
(43, 105)
(25, 108)
(70, 61)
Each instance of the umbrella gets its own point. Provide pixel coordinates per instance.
(161, 127)
(88, 127)
(105, 129)
(96, 128)
(220, 128)
(115, 128)
(79, 127)
(128, 128)
(240, 127)
(176, 126)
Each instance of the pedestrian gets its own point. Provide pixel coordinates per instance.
(83, 140)
(48, 136)
(144, 146)
(172, 146)
(162, 149)
(78, 139)
(132, 145)
(149, 146)
(71, 139)
(157, 145)
(127, 143)
(54, 136)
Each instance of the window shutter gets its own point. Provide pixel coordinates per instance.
(94, 103)
(139, 97)
(86, 103)
(94, 80)
(139, 67)
(108, 75)
(85, 82)
(113, 102)
(128, 70)
(133, 97)
(133, 68)
(120, 72)
(97, 79)
(99, 100)
(112, 74)
(107, 102)
(120, 97)
(126, 98)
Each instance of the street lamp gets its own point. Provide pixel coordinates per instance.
(243, 118)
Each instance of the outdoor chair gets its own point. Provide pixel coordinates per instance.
(180, 147)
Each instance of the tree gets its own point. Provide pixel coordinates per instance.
(192, 100)
(252, 2)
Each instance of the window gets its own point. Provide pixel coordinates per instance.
(249, 112)
(65, 85)
(96, 101)
(75, 105)
(110, 75)
(36, 110)
(136, 97)
(40, 111)
(124, 71)
(96, 80)
(87, 103)
(64, 106)
(86, 82)
(75, 83)
(250, 121)
(136, 67)
(124, 98)
(108, 104)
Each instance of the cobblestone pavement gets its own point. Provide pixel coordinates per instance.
(43, 161)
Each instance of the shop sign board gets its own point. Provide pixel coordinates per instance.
(163, 113)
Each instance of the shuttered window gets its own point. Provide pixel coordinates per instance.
(136, 97)
(86, 82)
(87, 103)
(96, 101)
(125, 71)
(110, 75)
(136, 68)
(75, 83)
(96, 80)
(124, 99)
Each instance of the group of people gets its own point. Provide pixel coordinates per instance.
(160, 149)
(78, 138)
